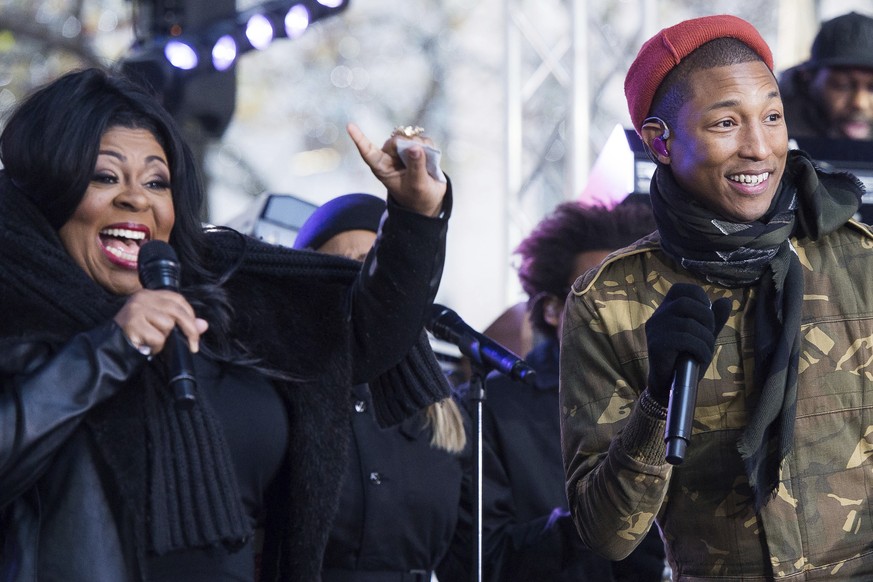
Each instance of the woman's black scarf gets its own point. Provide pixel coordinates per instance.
(172, 473)
(809, 204)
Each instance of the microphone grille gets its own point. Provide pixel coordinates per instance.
(156, 250)
(442, 323)
(158, 266)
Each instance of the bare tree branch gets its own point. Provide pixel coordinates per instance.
(24, 25)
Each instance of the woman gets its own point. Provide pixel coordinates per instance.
(399, 502)
(102, 477)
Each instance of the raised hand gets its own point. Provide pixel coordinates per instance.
(410, 185)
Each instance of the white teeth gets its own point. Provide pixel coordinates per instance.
(749, 178)
(124, 233)
(121, 254)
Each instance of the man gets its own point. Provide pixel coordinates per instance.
(831, 94)
(521, 421)
(757, 273)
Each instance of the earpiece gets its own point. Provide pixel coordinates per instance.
(659, 144)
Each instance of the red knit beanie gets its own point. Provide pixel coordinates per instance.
(665, 50)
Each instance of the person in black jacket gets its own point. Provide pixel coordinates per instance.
(534, 538)
(831, 94)
(400, 497)
(102, 475)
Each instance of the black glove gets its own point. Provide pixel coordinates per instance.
(684, 323)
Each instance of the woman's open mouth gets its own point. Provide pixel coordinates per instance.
(121, 243)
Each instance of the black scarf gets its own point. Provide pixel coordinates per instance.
(808, 204)
(171, 471)
(190, 496)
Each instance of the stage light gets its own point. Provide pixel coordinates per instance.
(259, 31)
(296, 20)
(224, 53)
(215, 46)
(181, 55)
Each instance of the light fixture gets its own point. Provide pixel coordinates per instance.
(296, 20)
(216, 46)
(259, 31)
(224, 52)
(181, 55)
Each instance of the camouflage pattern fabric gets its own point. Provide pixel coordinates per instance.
(820, 524)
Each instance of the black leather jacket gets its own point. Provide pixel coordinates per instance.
(42, 452)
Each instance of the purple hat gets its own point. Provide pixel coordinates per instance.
(347, 212)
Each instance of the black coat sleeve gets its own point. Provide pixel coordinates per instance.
(45, 396)
(397, 284)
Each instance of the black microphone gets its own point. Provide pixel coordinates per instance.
(159, 269)
(447, 325)
(680, 410)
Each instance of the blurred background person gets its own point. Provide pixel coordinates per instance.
(535, 536)
(831, 94)
(401, 493)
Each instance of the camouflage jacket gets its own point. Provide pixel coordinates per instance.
(820, 523)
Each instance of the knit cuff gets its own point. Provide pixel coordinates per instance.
(445, 211)
(643, 436)
(652, 407)
(413, 384)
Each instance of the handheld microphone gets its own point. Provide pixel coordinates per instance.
(680, 410)
(447, 325)
(159, 268)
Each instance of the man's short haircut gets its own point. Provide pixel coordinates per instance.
(548, 253)
(676, 89)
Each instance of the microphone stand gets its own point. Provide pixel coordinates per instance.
(484, 355)
(477, 396)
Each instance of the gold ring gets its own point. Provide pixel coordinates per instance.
(407, 131)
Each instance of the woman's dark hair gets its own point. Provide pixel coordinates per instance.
(50, 144)
(49, 150)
